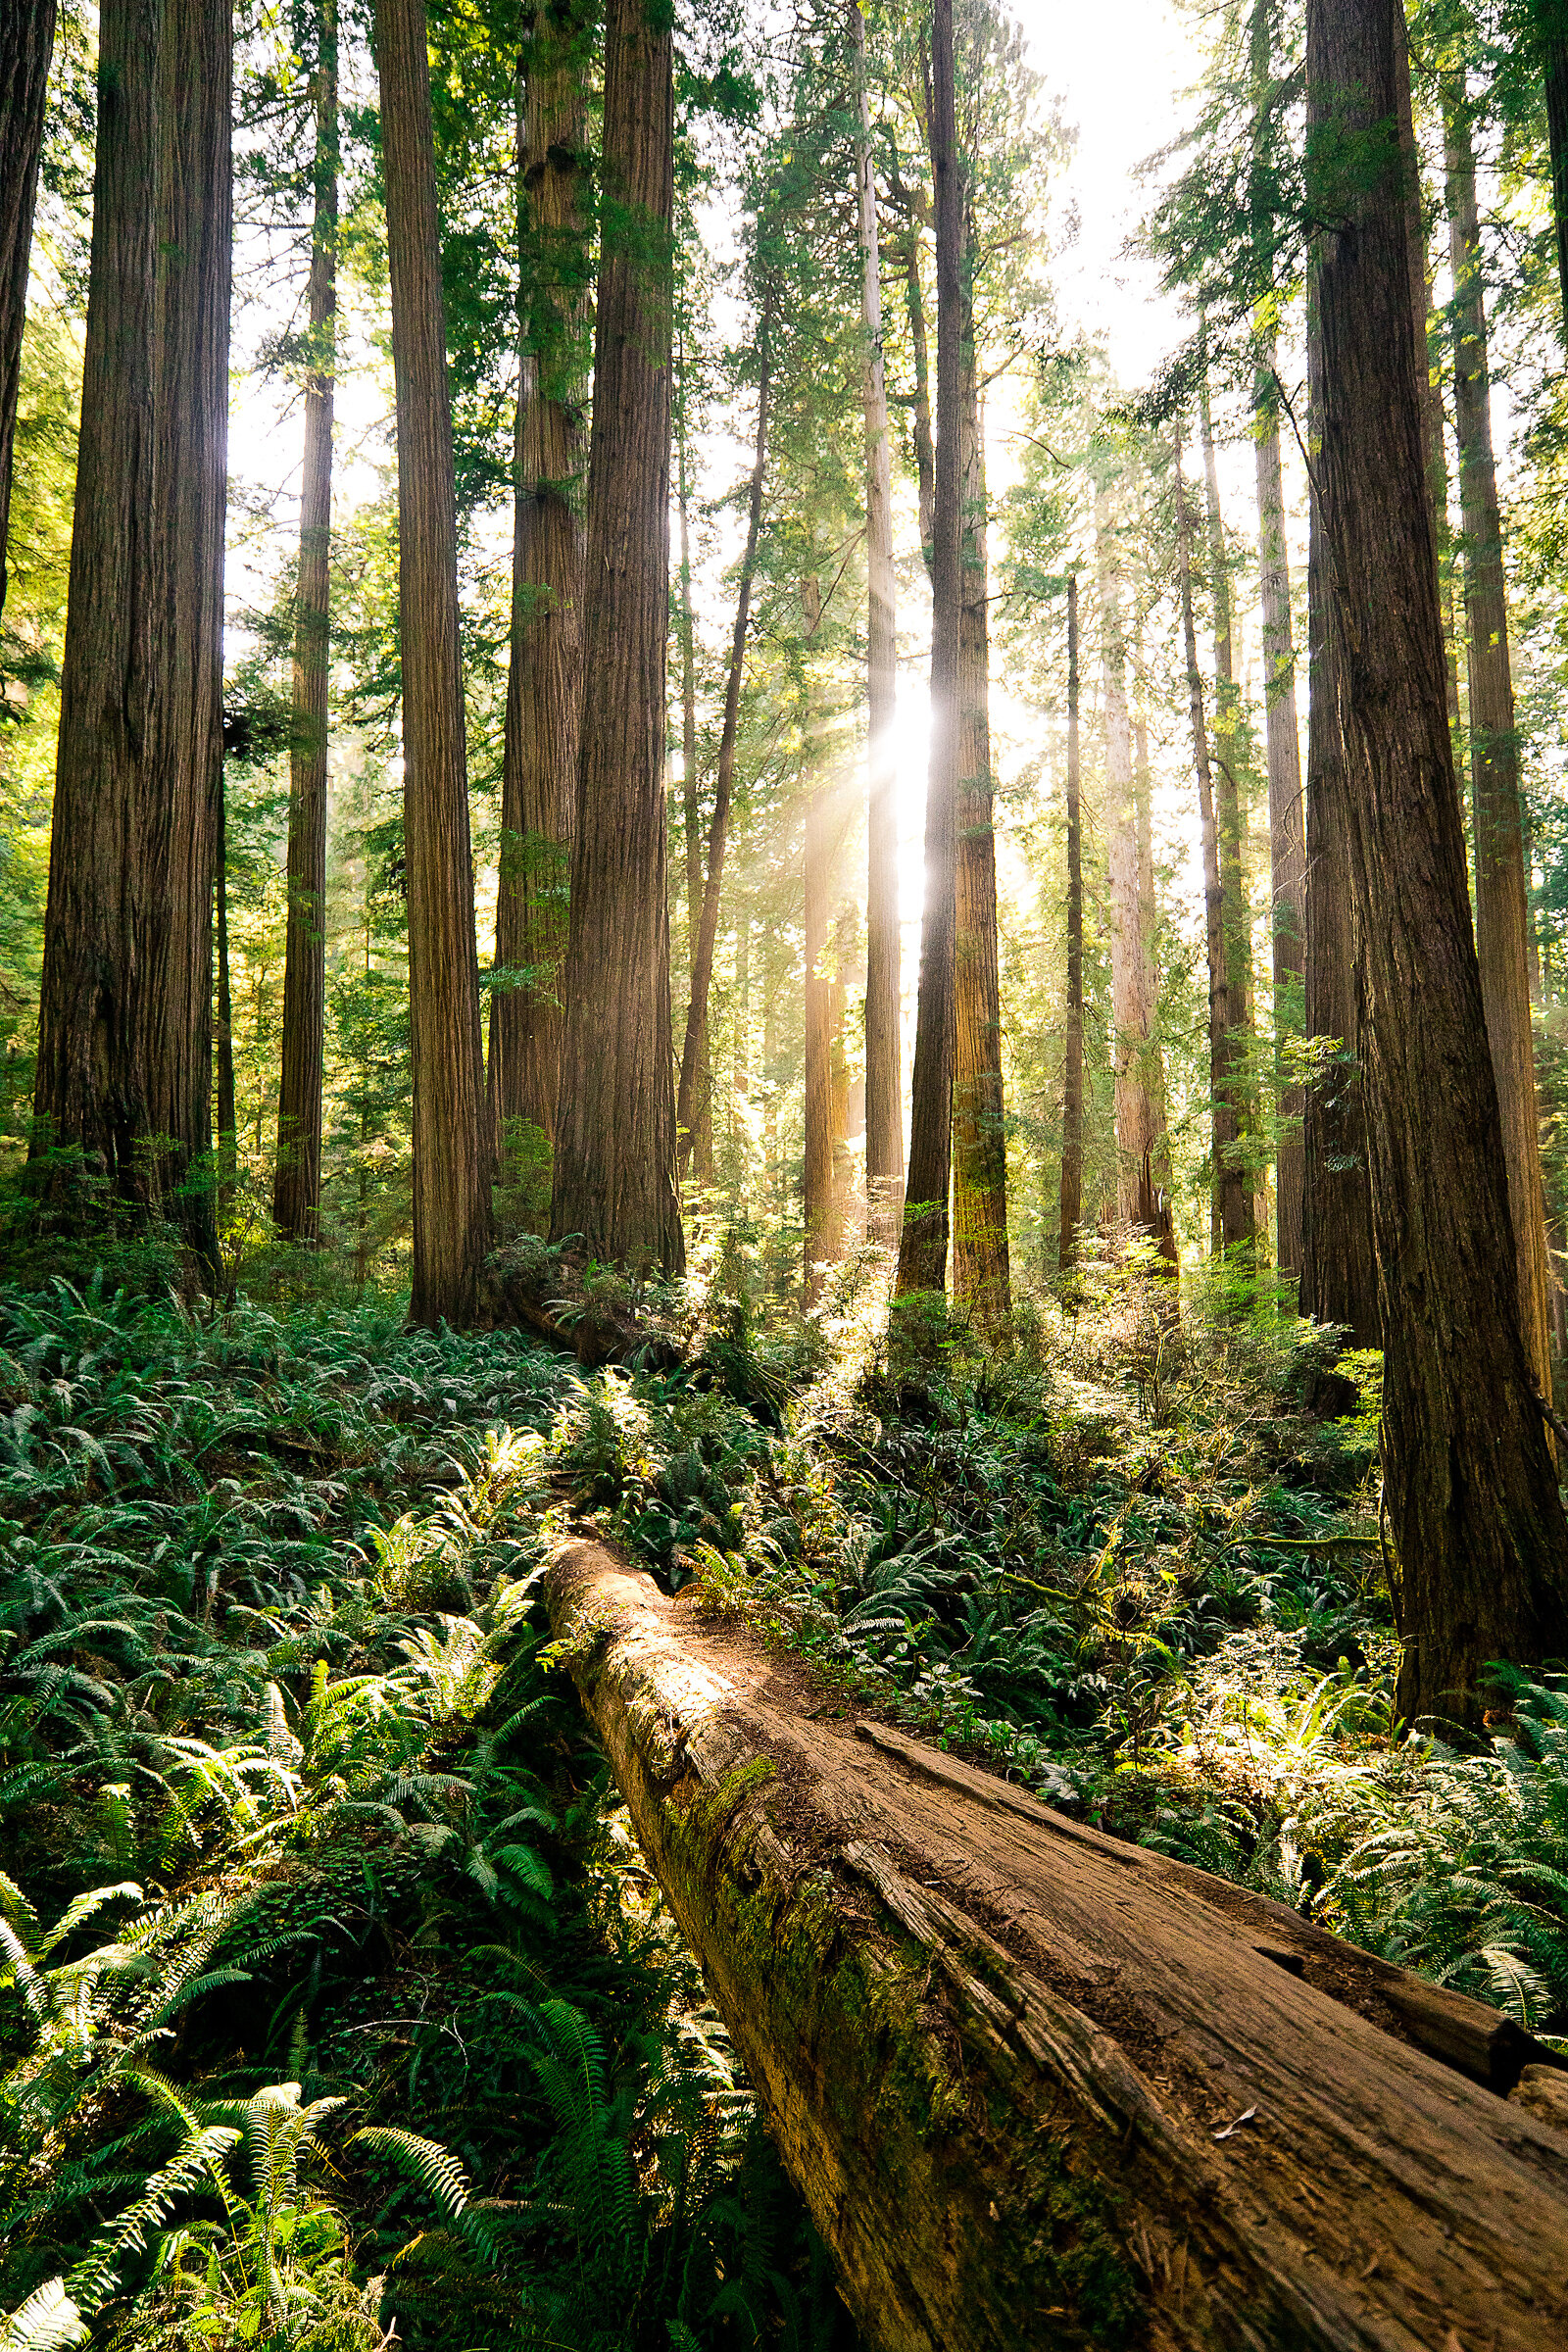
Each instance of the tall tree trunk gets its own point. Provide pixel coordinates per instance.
(1228, 1188)
(926, 461)
(125, 1013)
(614, 1172)
(1502, 898)
(981, 1278)
(544, 680)
(1073, 1089)
(1148, 956)
(297, 1193)
(1287, 815)
(1551, 37)
(816, 1182)
(884, 1070)
(845, 926)
(923, 1243)
(701, 1134)
(1138, 1138)
(1240, 1220)
(452, 1157)
(1339, 1265)
(692, 1053)
(26, 44)
(1472, 1495)
(228, 1109)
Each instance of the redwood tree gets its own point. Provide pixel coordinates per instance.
(1480, 1547)
(614, 1167)
(26, 44)
(1072, 1090)
(544, 682)
(297, 1193)
(451, 1155)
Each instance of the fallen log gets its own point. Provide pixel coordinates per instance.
(1039, 2088)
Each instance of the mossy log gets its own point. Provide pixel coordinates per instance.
(1039, 2088)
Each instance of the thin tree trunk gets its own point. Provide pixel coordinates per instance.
(452, 1157)
(228, 1109)
(1228, 1186)
(981, 1277)
(1072, 1102)
(1472, 1495)
(708, 927)
(844, 931)
(1286, 827)
(1551, 35)
(1502, 898)
(26, 44)
(884, 1071)
(1138, 1201)
(1149, 959)
(925, 463)
(923, 1243)
(544, 680)
(615, 1171)
(701, 1136)
(297, 1193)
(1339, 1265)
(816, 1182)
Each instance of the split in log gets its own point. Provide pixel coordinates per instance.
(1039, 2088)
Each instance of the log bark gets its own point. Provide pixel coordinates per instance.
(26, 44)
(614, 1167)
(1502, 895)
(544, 678)
(1473, 1502)
(923, 1243)
(884, 1073)
(452, 1157)
(1072, 1085)
(297, 1189)
(1039, 2089)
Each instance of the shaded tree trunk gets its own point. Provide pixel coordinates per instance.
(1502, 898)
(981, 1279)
(615, 1171)
(227, 1107)
(1472, 1496)
(544, 680)
(452, 1155)
(923, 1243)
(1228, 1197)
(1339, 1265)
(297, 1193)
(693, 1054)
(884, 1071)
(816, 1182)
(125, 1013)
(1287, 815)
(925, 460)
(1551, 37)
(701, 1135)
(26, 44)
(1072, 1090)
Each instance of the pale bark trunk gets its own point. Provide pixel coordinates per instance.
(26, 44)
(297, 1189)
(923, 1243)
(614, 1171)
(1502, 898)
(1072, 1105)
(544, 679)
(884, 1074)
(1287, 826)
(452, 1157)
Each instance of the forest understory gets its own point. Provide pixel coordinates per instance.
(340, 2001)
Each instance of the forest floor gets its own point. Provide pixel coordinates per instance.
(338, 1989)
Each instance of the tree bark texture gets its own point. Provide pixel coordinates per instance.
(926, 458)
(452, 1157)
(297, 1193)
(1551, 35)
(614, 1173)
(1503, 897)
(693, 1056)
(227, 1111)
(981, 1279)
(125, 1014)
(923, 1243)
(544, 678)
(1338, 1264)
(1227, 1182)
(1472, 1496)
(1287, 812)
(1137, 1138)
(701, 1131)
(26, 44)
(1072, 1085)
(1039, 2088)
(884, 1070)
